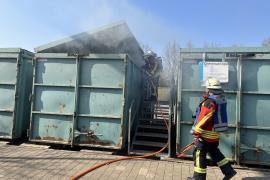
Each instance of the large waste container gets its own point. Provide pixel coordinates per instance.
(15, 89)
(84, 87)
(248, 93)
(83, 100)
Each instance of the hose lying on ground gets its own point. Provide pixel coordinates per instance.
(88, 170)
(186, 148)
(84, 172)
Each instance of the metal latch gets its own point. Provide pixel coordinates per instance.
(89, 133)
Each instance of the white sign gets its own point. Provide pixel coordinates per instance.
(218, 70)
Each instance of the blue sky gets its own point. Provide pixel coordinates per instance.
(30, 23)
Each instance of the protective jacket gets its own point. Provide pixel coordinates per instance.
(211, 118)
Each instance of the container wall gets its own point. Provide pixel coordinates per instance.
(101, 102)
(255, 124)
(132, 98)
(15, 88)
(53, 102)
(191, 95)
(80, 100)
(248, 98)
(24, 89)
(8, 71)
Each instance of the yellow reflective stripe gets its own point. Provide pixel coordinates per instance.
(211, 133)
(210, 137)
(198, 130)
(207, 134)
(204, 119)
(199, 170)
(197, 158)
(222, 162)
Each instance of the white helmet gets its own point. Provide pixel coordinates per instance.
(213, 83)
(149, 53)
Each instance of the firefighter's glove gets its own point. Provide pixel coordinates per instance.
(195, 141)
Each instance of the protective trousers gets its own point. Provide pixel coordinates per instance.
(199, 156)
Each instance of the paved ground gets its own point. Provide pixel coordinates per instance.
(39, 162)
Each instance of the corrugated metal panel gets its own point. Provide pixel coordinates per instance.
(15, 89)
(255, 124)
(80, 100)
(115, 38)
(248, 93)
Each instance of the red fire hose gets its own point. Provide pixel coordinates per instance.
(90, 169)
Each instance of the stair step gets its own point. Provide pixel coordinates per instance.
(152, 123)
(158, 135)
(161, 117)
(147, 113)
(161, 112)
(162, 106)
(152, 127)
(149, 143)
(158, 120)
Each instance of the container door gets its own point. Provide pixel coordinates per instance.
(100, 102)
(53, 103)
(190, 92)
(255, 124)
(8, 74)
(189, 96)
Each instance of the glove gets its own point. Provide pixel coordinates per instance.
(195, 141)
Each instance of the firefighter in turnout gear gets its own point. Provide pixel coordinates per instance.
(211, 119)
(153, 69)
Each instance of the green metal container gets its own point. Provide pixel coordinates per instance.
(85, 88)
(248, 96)
(15, 89)
(83, 100)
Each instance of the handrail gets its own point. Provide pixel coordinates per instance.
(130, 121)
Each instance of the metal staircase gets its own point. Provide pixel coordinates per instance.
(151, 134)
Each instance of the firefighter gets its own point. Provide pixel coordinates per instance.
(153, 69)
(206, 131)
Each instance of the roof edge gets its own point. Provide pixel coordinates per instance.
(75, 36)
(227, 50)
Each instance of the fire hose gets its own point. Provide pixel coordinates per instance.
(90, 169)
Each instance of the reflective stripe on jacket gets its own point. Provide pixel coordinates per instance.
(205, 125)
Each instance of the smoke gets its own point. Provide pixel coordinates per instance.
(113, 38)
(31, 23)
(148, 28)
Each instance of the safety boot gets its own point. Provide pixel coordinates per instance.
(228, 171)
(229, 176)
(197, 176)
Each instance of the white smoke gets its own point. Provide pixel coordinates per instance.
(148, 28)
(30, 23)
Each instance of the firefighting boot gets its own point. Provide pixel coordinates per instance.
(197, 176)
(228, 171)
